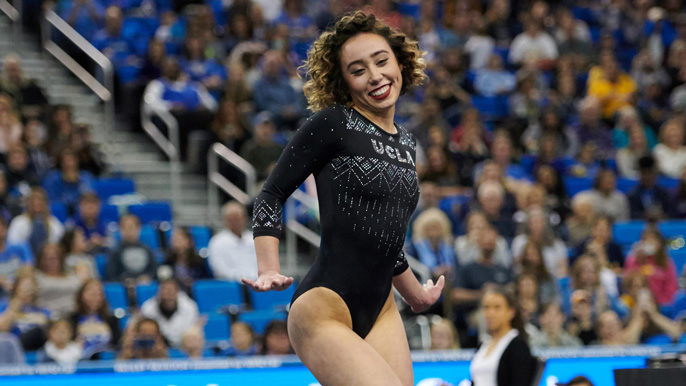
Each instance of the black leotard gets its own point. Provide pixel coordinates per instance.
(367, 190)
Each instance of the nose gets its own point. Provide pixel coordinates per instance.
(375, 76)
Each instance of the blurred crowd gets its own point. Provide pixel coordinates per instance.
(525, 100)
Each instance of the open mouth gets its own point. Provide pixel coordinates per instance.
(381, 92)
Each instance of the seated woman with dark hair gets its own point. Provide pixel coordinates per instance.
(188, 266)
(92, 321)
(144, 340)
(504, 359)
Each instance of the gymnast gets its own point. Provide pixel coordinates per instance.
(343, 321)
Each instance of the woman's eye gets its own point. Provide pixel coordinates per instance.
(358, 72)
(382, 62)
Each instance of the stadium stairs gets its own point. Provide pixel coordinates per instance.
(129, 154)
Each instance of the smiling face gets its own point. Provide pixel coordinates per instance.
(372, 73)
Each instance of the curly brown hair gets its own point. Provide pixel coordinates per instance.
(325, 84)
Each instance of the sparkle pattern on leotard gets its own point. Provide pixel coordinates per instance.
(267, 216)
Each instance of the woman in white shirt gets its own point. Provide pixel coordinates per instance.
(670, 153)
(537, 228)
(505, 358)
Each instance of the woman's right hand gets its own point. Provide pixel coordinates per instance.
(269, 280)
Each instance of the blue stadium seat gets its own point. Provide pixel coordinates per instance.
(217, 328)
(658, 340)
(154, 211)
(271, 300)
(679, 304)
(123, 321)
(627, 232)
(625, 185)
(491, 108)
(109, 214)
(175, 353)
(115, 293)
(679, 258)
(574, 185)
(673, 228)
(59, 210)
(145, 292)
(101, 264)
(668, 182)
(31, 357)
(107, 355)
(259, 320)
(108, 187)
(212, 295)
(201, 236)
(149, 237)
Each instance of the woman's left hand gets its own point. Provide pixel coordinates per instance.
(430, 293)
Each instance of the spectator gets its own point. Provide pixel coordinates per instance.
(231, 252)
(273, 92)
(432, 241)
(173, 310)
(110, 41)
(607, 200)
(91, 159)
(69, 183)
(493, 79)
(429, 114)
(440, 169)
(491, 197)
(574, 39)
(243, 341)
(579, 381)
(193, 342)
(60, 129)
(479, 46)
(22, 317)
(131, 261)
(502, 152)
(551, 124)
(530, 261)
(528, 299)
(586, 275)
(590, 128)
(27, 95)
(187, 265)
(579, 224)
(12, 258)
(143, 341)
(152, 63)
(93, 323)
(469, 153)
(627, 157)
(262, 151)
(613, 87)
(628, 117)
(552, 332)
(467, 247)
(91, 223)
(649, 200)
(35, 137)
(37, 225)
(443, 335)
(61, 347)
(536, 228)
(612, 333)
(670, 153)
(188, 102)
(556, 200)
(10, 126)
(77, 260)
(201, 69)
(473, 279)
(56, 288)
(9, 206)
(650, 257)
(229, 126)
(601, 246)
(276, 339)
(534, 43)
(20, 177)
(581, 324)
(84, 15)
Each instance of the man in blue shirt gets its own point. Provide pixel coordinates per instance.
(84, 15)
(273, 92)
(110, 41)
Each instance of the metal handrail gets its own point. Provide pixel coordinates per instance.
(219, 151)
(13, 14)
(105, 90)
(170, 146)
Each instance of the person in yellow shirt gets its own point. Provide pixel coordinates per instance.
(613, 87)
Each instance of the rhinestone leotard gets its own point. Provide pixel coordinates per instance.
(367, 189)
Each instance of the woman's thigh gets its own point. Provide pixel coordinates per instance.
(320, 329)
(388, 338)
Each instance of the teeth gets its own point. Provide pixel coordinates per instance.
(380, 91)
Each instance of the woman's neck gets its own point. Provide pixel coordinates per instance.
(501, 332)
(383, 119)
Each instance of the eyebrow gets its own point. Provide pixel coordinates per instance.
(359, 61)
